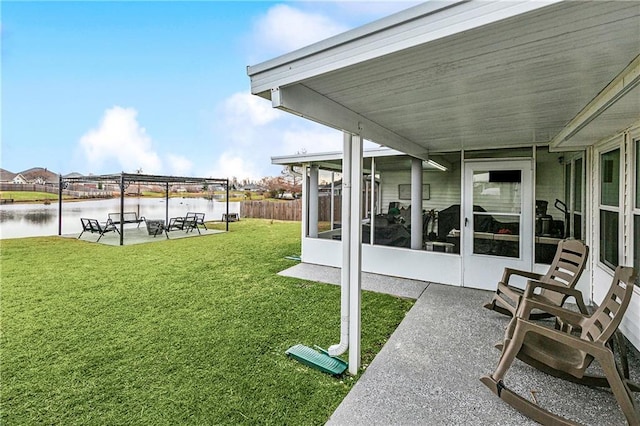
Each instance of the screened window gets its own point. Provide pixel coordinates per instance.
(609, 207)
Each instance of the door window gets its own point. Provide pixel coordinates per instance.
(497, 205)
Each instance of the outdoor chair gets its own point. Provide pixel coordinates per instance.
(199, 219)
(566, 355)
(564, 273)
(127, 217)
(93, 226)
(183, 223)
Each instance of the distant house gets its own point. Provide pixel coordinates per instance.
(252, 187)
(6, 176)
(39, 175)
(19, 179)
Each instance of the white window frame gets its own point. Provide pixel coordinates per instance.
(616, 142)
(634, 139)
(572, 189)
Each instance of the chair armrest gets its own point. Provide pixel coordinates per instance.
(570, 317)
(506, 276)
(560, 336)
(570, 292)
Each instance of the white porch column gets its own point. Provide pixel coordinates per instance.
(372, 209)
(332, 203)
(305, 205)
(313, 201)
(416, 204)
(345, 231)
(355, 254)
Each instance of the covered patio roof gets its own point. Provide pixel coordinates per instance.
(470, 75)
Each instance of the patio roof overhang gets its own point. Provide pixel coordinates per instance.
(470, 75)
(385, 159)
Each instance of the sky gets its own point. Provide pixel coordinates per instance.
(158, 87)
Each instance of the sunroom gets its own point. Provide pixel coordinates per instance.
(511, 125)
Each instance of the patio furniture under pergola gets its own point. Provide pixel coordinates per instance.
(123, 180)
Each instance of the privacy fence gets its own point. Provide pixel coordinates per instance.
(289, 210)
(71, 190)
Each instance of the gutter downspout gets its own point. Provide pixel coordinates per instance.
(345, 221)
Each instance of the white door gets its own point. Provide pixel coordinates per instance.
(497, 220)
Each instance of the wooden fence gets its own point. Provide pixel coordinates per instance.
(289, 210)
(278, 210)
(76, 191)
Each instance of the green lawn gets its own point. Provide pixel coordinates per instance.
(179, 331)
(28, 195)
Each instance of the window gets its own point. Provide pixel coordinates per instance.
(609, 207)
(559, 200)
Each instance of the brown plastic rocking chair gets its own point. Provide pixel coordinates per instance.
(565, 355)
(564, 271)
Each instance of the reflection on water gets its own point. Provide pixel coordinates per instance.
(40, 218)
(30, 220)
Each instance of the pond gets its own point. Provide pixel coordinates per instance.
(32, 220)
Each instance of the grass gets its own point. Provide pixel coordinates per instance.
(28, 195)
(179, 331)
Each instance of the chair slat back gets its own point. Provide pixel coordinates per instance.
(566, 268)
(605, 320)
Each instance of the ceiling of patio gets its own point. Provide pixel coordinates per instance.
(514, 82)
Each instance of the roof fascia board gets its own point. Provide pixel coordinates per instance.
(302, 101)
(624, 83)
(349, 36)
(417, 25)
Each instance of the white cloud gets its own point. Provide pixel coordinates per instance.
(311, 139)
(285, 28)
(230, 164)
(179, 165)
(245, 109)
(120, 141)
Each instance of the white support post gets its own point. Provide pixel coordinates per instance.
(372, 209)
(305, 205)
(313, 201)
(355, 255)
(332, 203)
(343, 345)
(416, 204)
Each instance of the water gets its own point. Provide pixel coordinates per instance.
(32, 220)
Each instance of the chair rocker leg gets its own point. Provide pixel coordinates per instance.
(620, 390)
(494, 305)
(540, 316)
(523, 405)
(586, 380)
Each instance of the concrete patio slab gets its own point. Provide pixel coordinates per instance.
(428, 372)
(371, 282)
